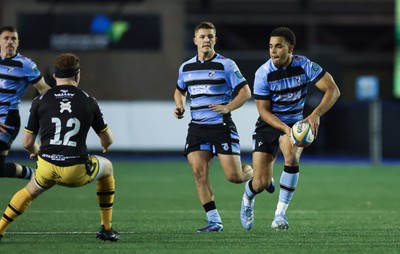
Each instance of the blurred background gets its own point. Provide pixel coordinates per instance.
(131, 50)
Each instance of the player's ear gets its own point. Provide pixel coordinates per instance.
(291, 48)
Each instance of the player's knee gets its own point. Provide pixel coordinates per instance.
(108, 167)
(291, 160)
(199, 173)
(235, 178)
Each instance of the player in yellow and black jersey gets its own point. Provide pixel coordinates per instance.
(62, 117)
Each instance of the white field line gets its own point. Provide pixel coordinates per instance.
(59, 233)
(200, 210)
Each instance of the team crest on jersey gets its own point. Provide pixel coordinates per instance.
(315, 67)
(10, 69)
(225, 146)
(238, 74)
(211, 74)
(65, 106)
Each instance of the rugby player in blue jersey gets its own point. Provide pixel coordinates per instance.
(210, 80)
(16, 73)
(280, 90)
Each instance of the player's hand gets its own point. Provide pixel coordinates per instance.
(289, 133)
(104, 145)
(220, 109)
(178, 113)
(105, 148)
(3, 127)
(314, 121)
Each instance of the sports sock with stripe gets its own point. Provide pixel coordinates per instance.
(288, 183)
(212, 212)
(18, 204)
(105, 197)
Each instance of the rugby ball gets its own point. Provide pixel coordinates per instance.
(301, 134)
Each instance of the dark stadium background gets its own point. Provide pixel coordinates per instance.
(348, 38)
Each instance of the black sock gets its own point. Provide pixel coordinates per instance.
(7, 169)
(27, 172)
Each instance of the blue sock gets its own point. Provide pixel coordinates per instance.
(288, 183)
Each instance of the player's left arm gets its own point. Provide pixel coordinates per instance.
(331, 93)
(41, 86)
(243, 95)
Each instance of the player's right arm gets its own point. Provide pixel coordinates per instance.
(180, 100)
(106, 139)
(263, 107)
(28, 142)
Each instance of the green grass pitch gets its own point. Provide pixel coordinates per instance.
(337, 208)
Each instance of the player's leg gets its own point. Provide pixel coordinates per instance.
(15, 170)
(263, 164)
(227, 145)
(200, 161)
(233, 169)
(19, 203)
(263, 168)
(105, 196)
(265, 148)
(12, 170)
(288, 181)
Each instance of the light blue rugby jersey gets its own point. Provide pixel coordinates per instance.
(15, 75)
(209, 82)
(286, 87)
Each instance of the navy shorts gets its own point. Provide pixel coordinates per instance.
(266, 139)
(216, 138)
(13, 123)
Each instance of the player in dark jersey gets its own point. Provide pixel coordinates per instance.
(63, 116)
(280, 90)
(16, 73)
(210, 80)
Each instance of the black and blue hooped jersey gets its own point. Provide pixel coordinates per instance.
(209, 82)
(286, 87)
(16, 73)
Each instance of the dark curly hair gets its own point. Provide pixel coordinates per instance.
(286, 33)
